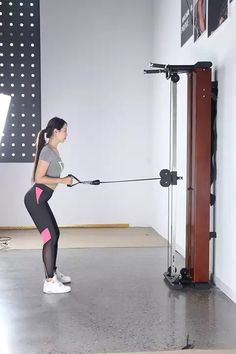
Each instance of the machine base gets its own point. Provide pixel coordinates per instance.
(173, 281)
(177, 282)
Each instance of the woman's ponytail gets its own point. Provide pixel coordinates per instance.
(40, 143)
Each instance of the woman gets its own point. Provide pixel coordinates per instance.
(46, 175)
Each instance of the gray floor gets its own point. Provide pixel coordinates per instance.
(119, 303)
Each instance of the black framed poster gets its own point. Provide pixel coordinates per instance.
(186, 20)
(217, 14)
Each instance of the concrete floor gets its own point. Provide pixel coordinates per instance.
(119, 303)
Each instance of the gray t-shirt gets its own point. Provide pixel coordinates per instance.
(55, 163)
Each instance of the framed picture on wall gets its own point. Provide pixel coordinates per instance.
(199, 18)
(186, 20)
(217, 14)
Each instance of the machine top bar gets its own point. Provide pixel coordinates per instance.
(154, 71)
(177, 69)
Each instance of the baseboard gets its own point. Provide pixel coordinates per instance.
(225, 288)
(68, 226)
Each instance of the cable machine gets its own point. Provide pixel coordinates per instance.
(196, 271)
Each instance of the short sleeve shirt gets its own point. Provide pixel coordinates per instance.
(55, 166)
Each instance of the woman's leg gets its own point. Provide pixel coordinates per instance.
(57, 233)
(37, 206)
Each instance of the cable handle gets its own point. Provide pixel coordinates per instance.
(73, 184)
(96, 182)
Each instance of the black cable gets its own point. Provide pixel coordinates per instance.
(188, 345)
(5, 238)
(4, 242)
(166, 179)
(131, 180)
(98, 182)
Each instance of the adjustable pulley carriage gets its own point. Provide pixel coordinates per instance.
(196, 271)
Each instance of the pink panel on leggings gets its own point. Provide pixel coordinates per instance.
(46, 235)
(38, 193)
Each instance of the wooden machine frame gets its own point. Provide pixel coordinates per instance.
(196, 271)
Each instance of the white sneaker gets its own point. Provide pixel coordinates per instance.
(55, 287)
(64, 279)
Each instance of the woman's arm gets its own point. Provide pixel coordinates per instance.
(40, 175)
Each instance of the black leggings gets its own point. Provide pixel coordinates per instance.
(36, 202)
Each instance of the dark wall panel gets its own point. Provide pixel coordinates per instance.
(20, 78)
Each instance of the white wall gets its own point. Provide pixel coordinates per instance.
(221, 50)
(92, 58)
(93, 55)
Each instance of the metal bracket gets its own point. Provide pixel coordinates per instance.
(212, 234)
